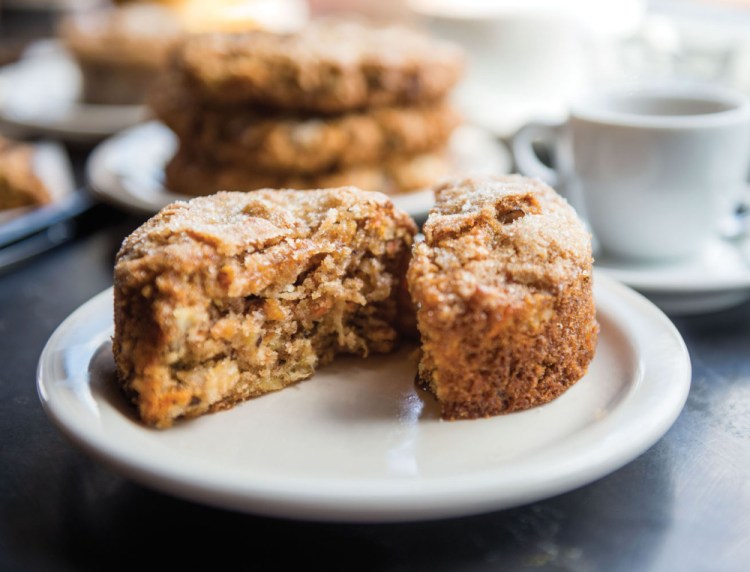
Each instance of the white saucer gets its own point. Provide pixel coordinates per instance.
(358, 442)
(716, 279)
(39, 95)
(127, 169)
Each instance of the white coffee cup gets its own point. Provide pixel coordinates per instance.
(653, 170)
(511, 75)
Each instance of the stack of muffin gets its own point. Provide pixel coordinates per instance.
(338, 103)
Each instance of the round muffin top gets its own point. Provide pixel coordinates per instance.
(496, 239)
(331, 65)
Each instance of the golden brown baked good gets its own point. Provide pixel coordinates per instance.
(330, 66)
(191, 173)
(227, 297)
(120, 50)
(19, 184)
(503, 288)
(301, 143)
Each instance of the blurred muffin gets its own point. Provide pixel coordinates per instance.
(19, 184)
(339, 102)
(121, 50)
(330, 66)
(284, 142)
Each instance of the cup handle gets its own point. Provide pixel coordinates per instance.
(527, 161)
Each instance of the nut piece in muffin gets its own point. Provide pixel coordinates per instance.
(330, 66)
(19, 184)
(503, 288)
(231, 296)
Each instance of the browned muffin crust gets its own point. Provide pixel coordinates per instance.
(19, 184)
(193, 173)
(227, 297)
(280, 142)
(330, 66)
(503, 289)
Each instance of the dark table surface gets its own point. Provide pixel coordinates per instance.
(682, 505)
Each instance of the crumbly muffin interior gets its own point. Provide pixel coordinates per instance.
(253, 294)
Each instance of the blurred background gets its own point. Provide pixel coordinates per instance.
(527, 57)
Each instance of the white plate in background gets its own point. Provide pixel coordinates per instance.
(39, 95)
(357, 441)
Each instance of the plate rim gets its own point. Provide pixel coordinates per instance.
(461, 495)
(65, 127)
(95, 175)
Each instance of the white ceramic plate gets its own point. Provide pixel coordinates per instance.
(358, 442)
(716, 279)
(127, 170)
(39, 95)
